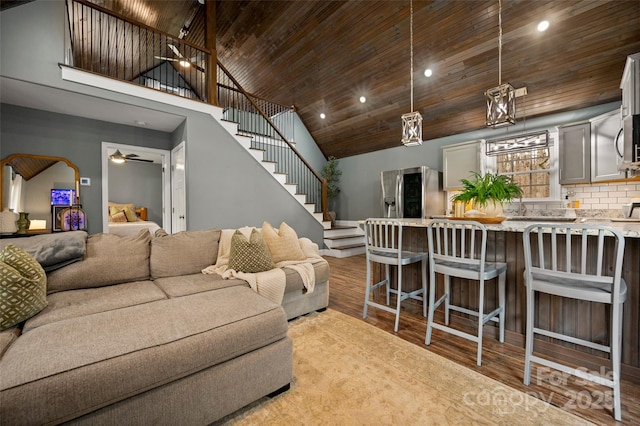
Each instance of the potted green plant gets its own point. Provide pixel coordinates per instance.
(487, 193)
(331, 174)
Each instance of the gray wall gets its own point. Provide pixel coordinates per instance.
(138, 183)
(226, 187)
(31, 131)
(360, 182)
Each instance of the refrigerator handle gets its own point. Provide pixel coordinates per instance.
(399, 201)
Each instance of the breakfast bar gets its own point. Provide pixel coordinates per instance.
(583, 319)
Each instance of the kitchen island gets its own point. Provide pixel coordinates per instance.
(582, 319)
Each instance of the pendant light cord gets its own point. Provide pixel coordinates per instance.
(411, 48)
(499, 42)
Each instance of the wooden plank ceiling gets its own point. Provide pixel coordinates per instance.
(321, 56)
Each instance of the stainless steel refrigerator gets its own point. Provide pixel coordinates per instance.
(412, 193)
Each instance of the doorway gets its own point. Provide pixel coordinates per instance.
(140, 161)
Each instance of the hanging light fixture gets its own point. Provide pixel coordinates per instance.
(501, 100)
(412, 121)
(117, 157)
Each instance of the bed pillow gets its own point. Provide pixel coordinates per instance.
(251, 256)
(283, 244)
(23, 287)
(121, 206)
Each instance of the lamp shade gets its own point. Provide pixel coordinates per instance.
(501, 105)
(411, 129)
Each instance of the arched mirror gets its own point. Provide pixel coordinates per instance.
(27, 181)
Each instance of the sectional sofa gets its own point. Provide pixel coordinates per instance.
(135, 333)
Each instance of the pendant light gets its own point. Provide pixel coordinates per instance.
(412, 121)
(501, 100)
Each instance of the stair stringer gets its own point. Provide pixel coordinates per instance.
(245, 141)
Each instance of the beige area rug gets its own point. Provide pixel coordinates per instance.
(348, 372)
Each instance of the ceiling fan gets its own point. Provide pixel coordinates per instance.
(119, 158)
(179, 57)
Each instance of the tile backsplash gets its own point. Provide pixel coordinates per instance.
(604, 195)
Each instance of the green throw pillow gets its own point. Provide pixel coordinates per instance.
(249, 256)
(23, 287)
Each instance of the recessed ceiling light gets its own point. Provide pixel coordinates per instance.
(428, 72)
(323, 116)
(140, 123)
(542, 26)
(363, 99)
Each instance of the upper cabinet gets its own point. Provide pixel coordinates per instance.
(575, 153)
(630, 86)
(606, 147)
(459, 161)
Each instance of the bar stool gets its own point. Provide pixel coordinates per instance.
(454, 252)
(577, 270)
(383, 240)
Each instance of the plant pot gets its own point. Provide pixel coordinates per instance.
(491, 209)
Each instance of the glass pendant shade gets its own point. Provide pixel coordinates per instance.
(411, 129)
(501, 105)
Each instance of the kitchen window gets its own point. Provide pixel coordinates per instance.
(533, 167)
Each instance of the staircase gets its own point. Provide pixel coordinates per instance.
(247, 143)
(343, 239)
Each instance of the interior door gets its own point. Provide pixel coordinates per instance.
(178, 189)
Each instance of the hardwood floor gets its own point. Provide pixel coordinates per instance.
(502, 362)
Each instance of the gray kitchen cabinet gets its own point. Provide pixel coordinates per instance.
(630, 85)
(575, 153)
(459, 161)
(605, 158)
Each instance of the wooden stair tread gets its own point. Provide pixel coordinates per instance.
(343, 227)
(342, 237)
(348, 247)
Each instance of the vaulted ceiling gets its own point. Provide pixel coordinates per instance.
(321, 56)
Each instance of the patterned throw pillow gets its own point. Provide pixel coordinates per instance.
(23, 287)
(118, 217)
(283, 244)
(249, 255)
(130, 214)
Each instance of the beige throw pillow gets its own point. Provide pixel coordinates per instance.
(118, 217)
(251, 256)
(283, 244)
(23, 287)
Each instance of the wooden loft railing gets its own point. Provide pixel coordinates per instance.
(115, 46)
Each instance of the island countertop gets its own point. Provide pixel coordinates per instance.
(629, 229)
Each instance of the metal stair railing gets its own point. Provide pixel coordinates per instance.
(249, 112)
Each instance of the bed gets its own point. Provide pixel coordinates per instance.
(126, 219)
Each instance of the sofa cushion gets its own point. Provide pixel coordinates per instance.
(109, 259)
(23, 286)
(81, 302)
(251, 256)
(81, 364)
(183, 253)
(7, 337)
(283, 243)
(184, 285)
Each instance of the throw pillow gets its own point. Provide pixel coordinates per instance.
(130, 214)
(118, 217)
(23, 287)
(283, 244)
(251, 255)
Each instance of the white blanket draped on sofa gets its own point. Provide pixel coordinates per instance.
(270, 284)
